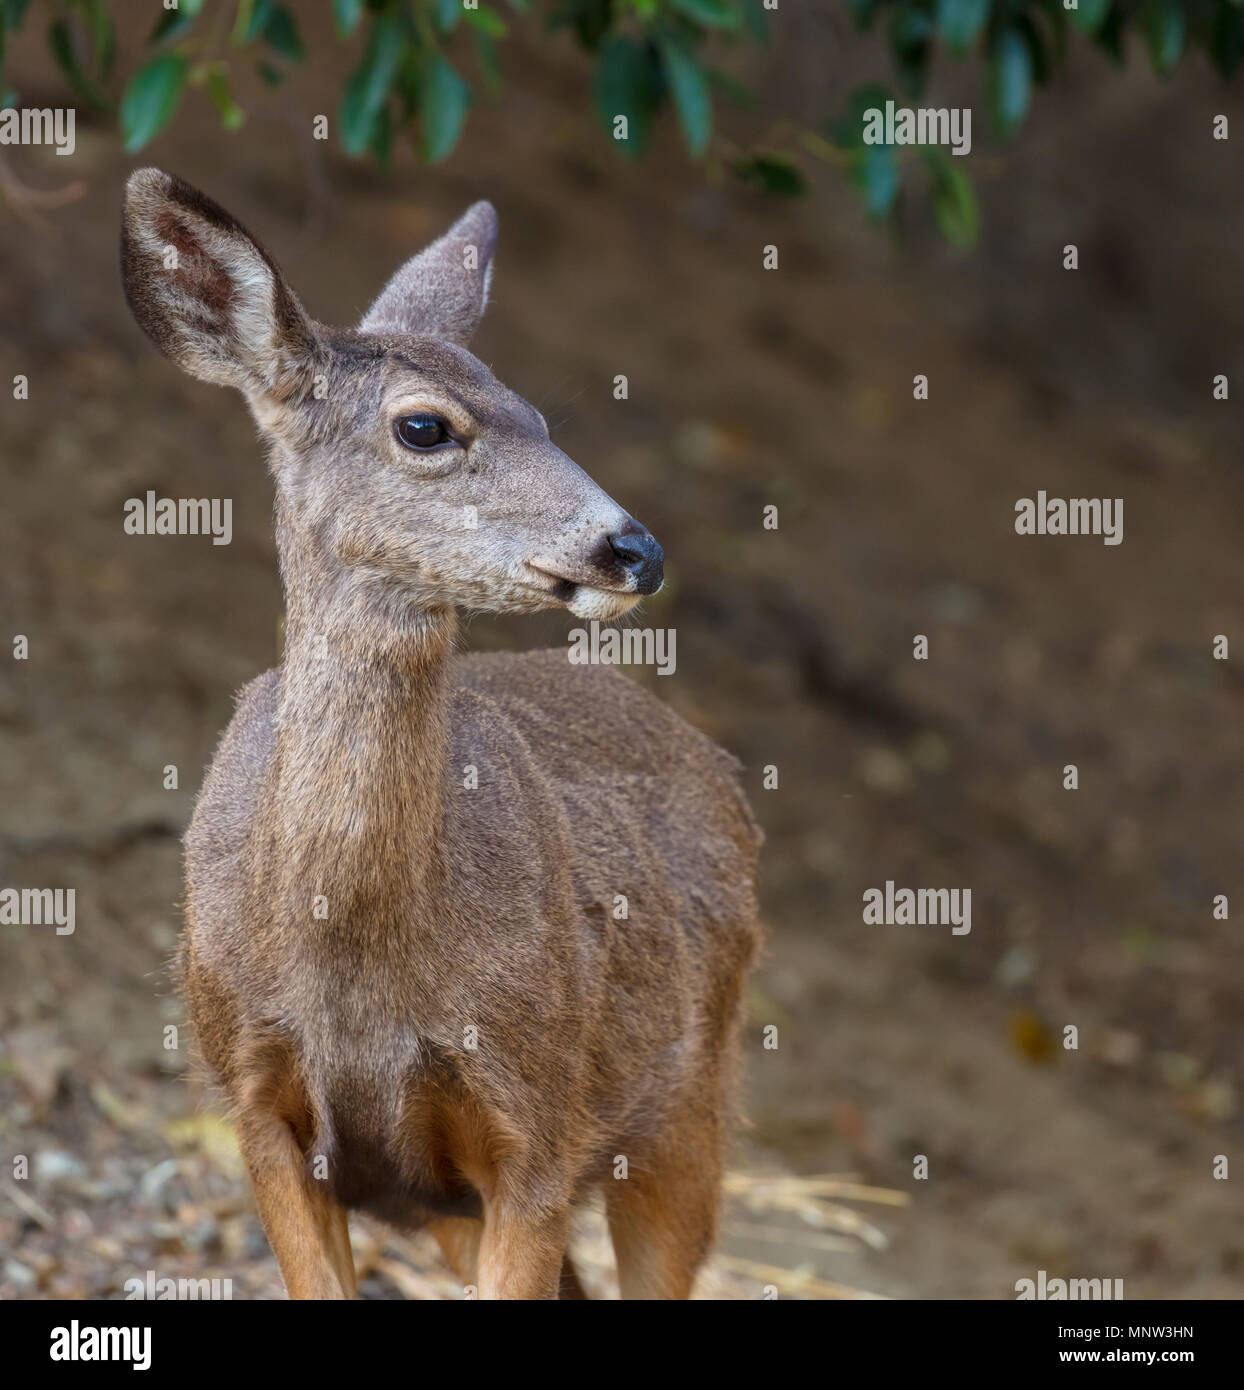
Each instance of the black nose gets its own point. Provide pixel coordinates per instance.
(637, 551)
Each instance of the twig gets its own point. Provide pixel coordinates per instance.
(808, 1283)
(27, 202)
(29, 1206)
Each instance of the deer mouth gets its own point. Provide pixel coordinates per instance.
(557, 586)
(586, 600)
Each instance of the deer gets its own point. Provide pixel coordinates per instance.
(403, 959)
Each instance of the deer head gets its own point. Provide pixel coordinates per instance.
(407, 474)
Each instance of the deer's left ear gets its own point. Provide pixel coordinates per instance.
(441, 292)
(205, 291)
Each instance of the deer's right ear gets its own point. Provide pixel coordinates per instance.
(443, 291)
(204, 290)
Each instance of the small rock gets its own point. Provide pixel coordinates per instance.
(19, 1274)
(1119, 1048)
(58, 1165)
(958, 603)
(1016, 967)
(885, 770)
(930, 753)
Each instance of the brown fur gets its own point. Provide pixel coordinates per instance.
(468, 1038)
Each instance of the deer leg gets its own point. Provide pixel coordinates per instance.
(571, 1286)
(459, 1238)
(662, 1219)
(306, 1228)
(521, 1256)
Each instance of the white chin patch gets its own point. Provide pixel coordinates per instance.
(601, 604)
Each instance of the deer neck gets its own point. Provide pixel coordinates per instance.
(354, 799)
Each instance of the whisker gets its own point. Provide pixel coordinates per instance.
(552, 390)
(555, 425)
(569, 413)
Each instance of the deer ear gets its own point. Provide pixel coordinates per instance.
(204, 290)
(441, 292)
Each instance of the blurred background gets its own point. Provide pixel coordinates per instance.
(747, 388)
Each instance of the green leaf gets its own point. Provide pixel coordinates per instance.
(447, 13)
(756, 21)
(626, 85)
(772, 173)
(590, 19)
(1165, 25)
(863, 12)
(911, 36)
(252, 20)
(1036, 48)
(281, 32)
(1090, 15)
(368, 85)
(487, 21)
(61, 43)
(380, 147)
(151, 98)
(347, 13)
(712, 14)
(954, 206)
(874, 169)
(692, 101)
(1227, 41)
(489, 64)
(1109, 37)
(1056, 17)
(960, 22)
(1011, 79)
(103, 39)
(443, 101)
(847, 132)
(171, 24)
(14, 13)
(954, 199)
(736, 91)
(232, 117)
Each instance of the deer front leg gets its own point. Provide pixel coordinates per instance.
(521, 1254)
(306, 1228)
(459, 1239)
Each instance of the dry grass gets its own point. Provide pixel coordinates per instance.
(801, 1217)
(172, 1196)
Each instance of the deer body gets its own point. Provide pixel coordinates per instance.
(463, 934)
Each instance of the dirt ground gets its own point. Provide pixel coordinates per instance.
(748, 387)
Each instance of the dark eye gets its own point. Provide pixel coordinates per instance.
(421, 431)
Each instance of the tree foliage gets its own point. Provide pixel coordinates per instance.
(1019, 45)
(422, 64)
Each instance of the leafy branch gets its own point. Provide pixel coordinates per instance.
(1021, 44)
(423, 63)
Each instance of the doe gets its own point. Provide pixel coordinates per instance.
(402, 958)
